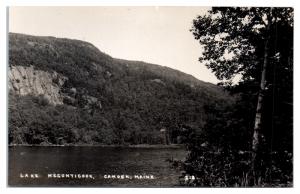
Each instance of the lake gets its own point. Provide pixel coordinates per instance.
(93, 166)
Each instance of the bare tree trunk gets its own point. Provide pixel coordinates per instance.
(257, 136)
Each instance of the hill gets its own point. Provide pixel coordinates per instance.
(64, 91)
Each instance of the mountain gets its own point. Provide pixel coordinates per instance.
(64, 91)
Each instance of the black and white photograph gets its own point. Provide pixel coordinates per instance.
(150, 96)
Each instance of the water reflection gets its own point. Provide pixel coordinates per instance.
(94, 161)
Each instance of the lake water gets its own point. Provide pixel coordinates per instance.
(94, 166)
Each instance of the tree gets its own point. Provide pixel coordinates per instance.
(254, 46)
(257, 124)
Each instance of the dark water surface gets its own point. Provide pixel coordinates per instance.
(96, 162)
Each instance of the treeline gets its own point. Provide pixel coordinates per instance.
(34, 121)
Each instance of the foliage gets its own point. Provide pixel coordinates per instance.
(234, 46)
(225, 161)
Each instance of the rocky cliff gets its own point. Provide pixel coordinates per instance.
(27, 80)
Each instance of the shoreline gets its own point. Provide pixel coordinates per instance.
(104, 146)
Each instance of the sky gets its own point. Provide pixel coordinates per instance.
(159, 35)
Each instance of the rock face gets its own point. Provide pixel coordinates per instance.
(159, 81)
(30, 81)
(27, 80)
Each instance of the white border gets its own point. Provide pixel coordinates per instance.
(3, 85)
(154, 2)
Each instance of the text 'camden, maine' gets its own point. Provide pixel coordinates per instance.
(150, 96)
(85, 176)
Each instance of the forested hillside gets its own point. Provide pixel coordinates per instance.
(64, 91)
